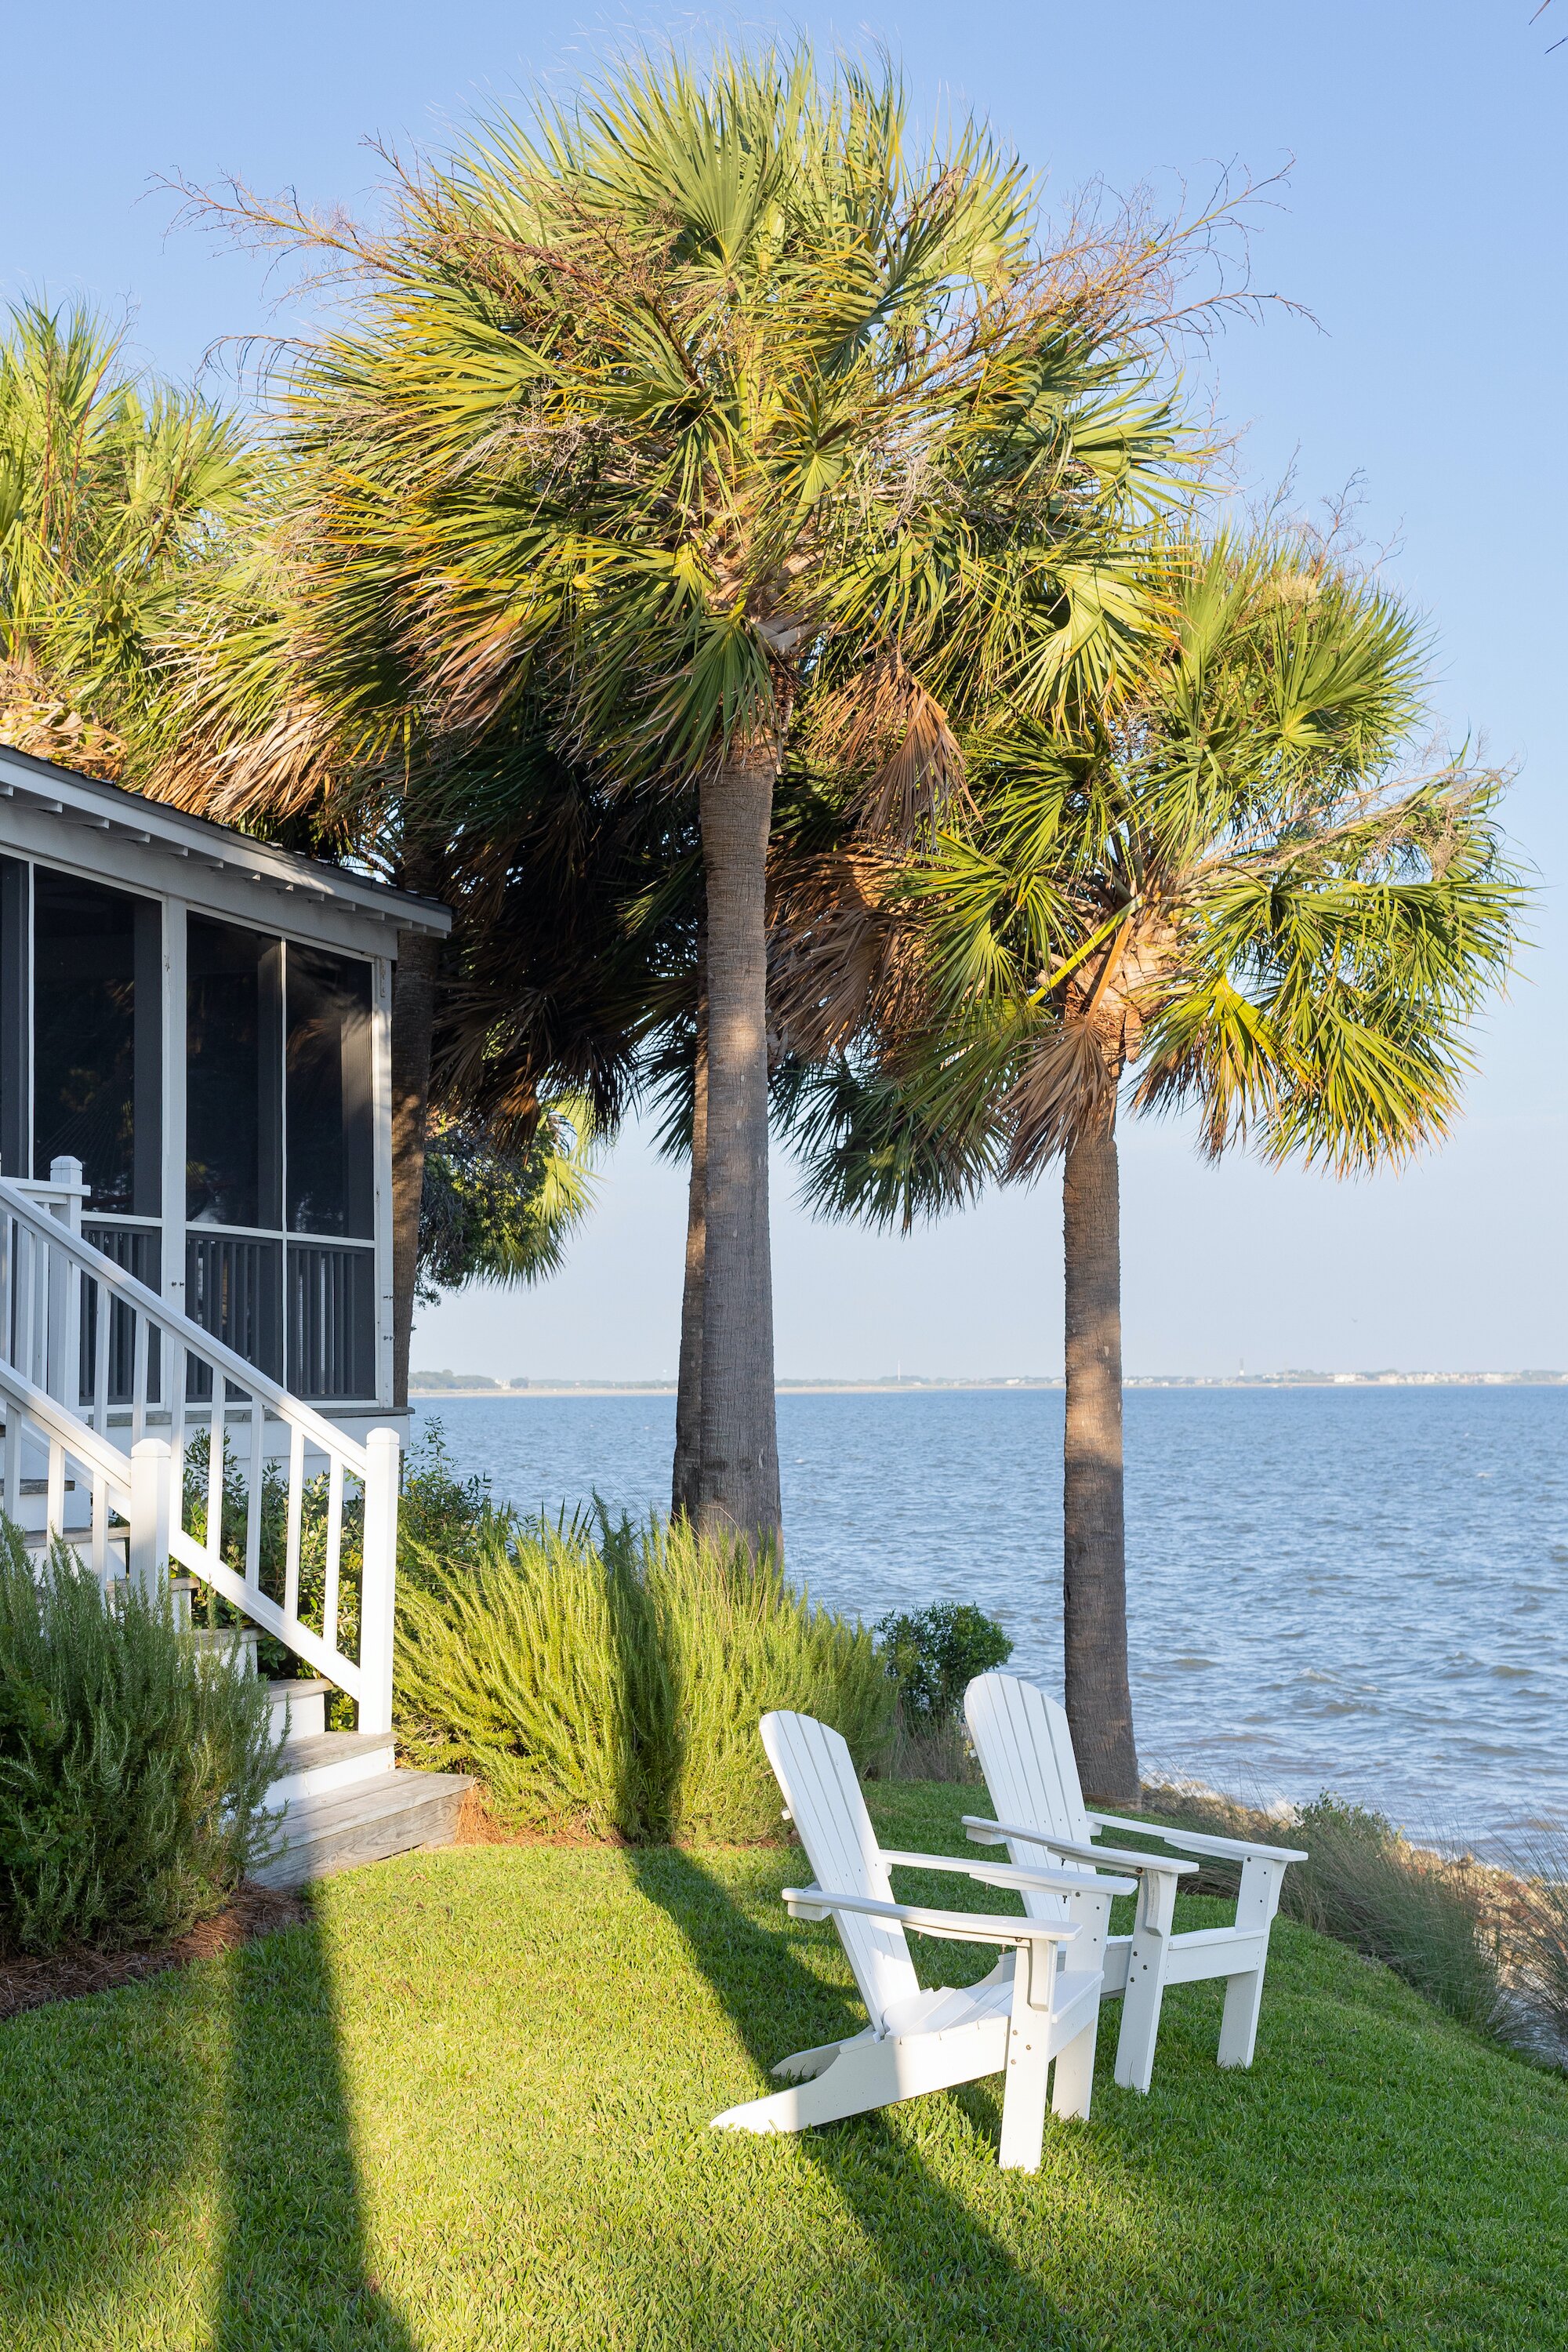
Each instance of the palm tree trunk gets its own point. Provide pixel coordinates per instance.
(412, 1023)
(738, 1483)
(1094, 1559)
(685, 1483)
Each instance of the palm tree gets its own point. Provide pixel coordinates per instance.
(1228, 888)
(114, 490)
(705, 393)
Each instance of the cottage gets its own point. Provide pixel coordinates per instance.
(201, 1020)
(195, 1235)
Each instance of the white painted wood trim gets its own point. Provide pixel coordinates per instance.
(111, 835)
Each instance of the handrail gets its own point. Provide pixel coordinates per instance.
(79, 1437)
(110, 1474)
(267, 1613)
(178, 1326)
(45, 1268)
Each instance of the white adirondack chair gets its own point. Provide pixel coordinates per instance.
(1024, 1748)
(1030, 2011)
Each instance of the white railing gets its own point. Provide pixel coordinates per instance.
(110, 1485)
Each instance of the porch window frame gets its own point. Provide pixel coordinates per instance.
(160, 1070)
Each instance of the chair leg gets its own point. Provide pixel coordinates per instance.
(1238, 2025)
(868, 2072)
(1145, 1993)
(1072, 2084)
(1258, 1899)
(1140, 2028)
(1028, 2059)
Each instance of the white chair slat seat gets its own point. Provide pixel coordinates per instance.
(1031, 2016)
(1024, 1742)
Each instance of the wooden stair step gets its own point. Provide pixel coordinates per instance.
(302, 1755)
(319, 1764)
(392, 1813)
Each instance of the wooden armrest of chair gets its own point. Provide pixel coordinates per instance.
(985, 1833)
(1004, 1873)
(953, 1926)
(1200, 1841)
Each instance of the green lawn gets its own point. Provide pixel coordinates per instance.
(467, 2108)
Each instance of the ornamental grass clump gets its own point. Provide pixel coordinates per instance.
(1530, 1902)
(531, 1664)
(1366, 1885)
(1431, 1920)
(134, 1768)
(610, 1682)
(736, 1641)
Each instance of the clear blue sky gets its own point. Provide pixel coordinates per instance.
(1423, 225)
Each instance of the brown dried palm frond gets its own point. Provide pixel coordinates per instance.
(886, 728)
(38, 716)
(255, 730)
(294, 765)
(1065, 1087)
(845, 950)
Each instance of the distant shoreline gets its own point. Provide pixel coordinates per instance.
(420, 1395)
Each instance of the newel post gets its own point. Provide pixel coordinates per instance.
(378, 1592)
(66, 1177)
(152, 1499)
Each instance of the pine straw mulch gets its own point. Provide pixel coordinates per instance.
(29, 1983)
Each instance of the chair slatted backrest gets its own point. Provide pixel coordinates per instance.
(1024, 1748)
(816, 1773)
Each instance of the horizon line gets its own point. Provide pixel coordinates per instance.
(484, 1385)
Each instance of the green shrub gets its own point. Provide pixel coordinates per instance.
(737, 1641)
(612, 1682)
(931, 1658)
(132, 1768)
(438, 1513)
(515, 1666)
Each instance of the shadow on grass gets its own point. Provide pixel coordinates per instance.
(294, 2274)
(931, 2250)
(105, 2106)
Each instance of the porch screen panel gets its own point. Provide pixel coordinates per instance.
(16, 1025)
(233, 1075)
(332, 1322)
(327, 1101)
(97, 956)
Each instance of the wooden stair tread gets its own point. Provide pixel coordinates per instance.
(313, 1747)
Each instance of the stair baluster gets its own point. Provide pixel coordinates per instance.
(113, 1479)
